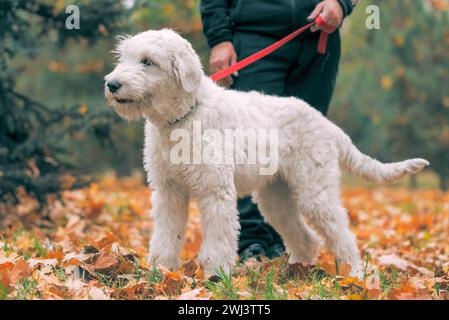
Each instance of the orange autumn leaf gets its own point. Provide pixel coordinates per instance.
(7, 265)
(331, 266)
(405, 292)
(125, 267)
(19, 271)
(133, 292)
(104, 262)
(4, 277)
(193, 269)
(172, 283)
(59, 255)
(106, 241)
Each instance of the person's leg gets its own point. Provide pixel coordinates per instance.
(313, 77)
(268, 76)
(255, 234)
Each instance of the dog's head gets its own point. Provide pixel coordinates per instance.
(156, 70)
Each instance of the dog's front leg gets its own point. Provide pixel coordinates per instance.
(170, 215)
(220, 228)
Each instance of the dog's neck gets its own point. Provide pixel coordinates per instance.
(171, 108)
(180, 118)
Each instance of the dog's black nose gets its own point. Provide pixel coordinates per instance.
(114, 85)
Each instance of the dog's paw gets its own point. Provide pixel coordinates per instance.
(212, 268)
(214, 262)
(307, 255)
(170, 262)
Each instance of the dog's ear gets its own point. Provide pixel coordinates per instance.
(187, 68)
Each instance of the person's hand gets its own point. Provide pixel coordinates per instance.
(222, 56)
(330, 11)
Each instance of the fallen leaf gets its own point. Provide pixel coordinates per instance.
(20, 271)
(195, 294)
(97, 294)
(191, 268)
(44, 262)
(394, 260)
(172, 283)
(104, 262)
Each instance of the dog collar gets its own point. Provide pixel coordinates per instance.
(174, 121)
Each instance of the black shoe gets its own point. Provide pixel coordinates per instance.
(255, 250)
(276, 250)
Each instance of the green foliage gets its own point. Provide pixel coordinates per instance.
(31, 152)
(421, 59)
(390, 95)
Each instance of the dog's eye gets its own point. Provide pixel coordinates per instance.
(147, 62)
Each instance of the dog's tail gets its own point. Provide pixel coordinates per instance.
(370, 169)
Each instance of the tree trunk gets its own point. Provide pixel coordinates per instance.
(413, 182)
(444, 179)
(444, 183)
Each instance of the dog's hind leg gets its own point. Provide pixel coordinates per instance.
(326, 215)
(170, 215)
(277, 206)
(220, 228)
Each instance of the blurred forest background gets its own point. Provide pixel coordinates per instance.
(392, 93)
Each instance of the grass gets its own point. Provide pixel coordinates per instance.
(222, 287)
(388, 281)
(26, 289)
(3, 292)
(112, 281)
(60, 273)
(154, 276)
(41, 251)
(271, 293)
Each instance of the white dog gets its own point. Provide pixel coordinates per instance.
(159, 78)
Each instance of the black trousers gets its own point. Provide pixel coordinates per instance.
(293, 70)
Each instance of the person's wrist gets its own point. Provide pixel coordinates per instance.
(346, 6)
(222, 44)
(218, 42)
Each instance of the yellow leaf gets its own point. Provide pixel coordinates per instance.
(83, 109)
(399, 40)
(168, 9)
(59, 6)
(386, 83)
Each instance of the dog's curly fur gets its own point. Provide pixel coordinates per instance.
(306, 186)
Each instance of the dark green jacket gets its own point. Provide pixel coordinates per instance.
(273, 17)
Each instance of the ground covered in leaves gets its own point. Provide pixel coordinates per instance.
(92, 244)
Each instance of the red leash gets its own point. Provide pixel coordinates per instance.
(322, 44)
